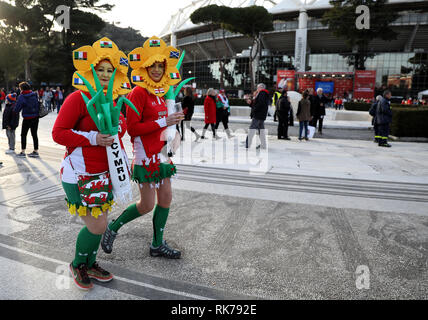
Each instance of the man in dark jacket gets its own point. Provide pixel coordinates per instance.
(384, 118)
(318, 103)
(259, 113)
(29, 104)
(372, 112)
(283, 112)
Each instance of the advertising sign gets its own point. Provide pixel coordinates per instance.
(364, 84)
(306, 83)
(285, 79)
(300, 49)
(326, 86)
(341, 86)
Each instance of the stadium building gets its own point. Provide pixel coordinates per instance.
(400, 64)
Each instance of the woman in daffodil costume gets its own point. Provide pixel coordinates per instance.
(89, 124)
(155, 72)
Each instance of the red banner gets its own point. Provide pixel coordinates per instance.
(341, 86)
(364, 84)
(306, 83)
(285, 79)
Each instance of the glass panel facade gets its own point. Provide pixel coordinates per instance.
(405, 73)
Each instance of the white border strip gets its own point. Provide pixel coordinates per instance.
(141, 284)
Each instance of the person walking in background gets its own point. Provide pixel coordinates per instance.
(210, 112)
(52, 105)
(259, 114)
(40, 94)
(188, 106)
(47, 97)
(275, 99)
(304, 115)
(10, 121)
(372, 112)
(283, 112)
(223, 111)
(2, 98)
(29, 104)
(384, 118)
(318, 110)
(59, 98)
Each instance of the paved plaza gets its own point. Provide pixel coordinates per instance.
(330, 218)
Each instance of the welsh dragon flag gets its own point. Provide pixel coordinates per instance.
(106, 44)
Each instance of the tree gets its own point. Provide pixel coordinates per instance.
(212, 15)
(251, 22)
(342, 18)
(31, 22)
(248, 21)
(11, 57)
(420, 75)
(127, 39)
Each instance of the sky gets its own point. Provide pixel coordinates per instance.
(148, 17)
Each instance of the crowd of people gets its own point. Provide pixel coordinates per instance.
(407, 102)
(414, 101)
(51, 98)
(216, 109)
(23, 99)
(311, 110)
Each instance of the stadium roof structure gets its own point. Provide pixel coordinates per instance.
(411, 28)
(180, 21)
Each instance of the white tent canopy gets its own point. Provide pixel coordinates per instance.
(422, 93)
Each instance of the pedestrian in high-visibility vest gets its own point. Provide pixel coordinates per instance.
(275, 99)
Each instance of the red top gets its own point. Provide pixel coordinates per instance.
(2, 95)
(75, 129)
(210, 110)
(146, 129)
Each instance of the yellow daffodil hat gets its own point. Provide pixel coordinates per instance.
(103, 49)
(154, 50)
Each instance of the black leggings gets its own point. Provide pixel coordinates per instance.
(212, 127)
(182, 128)
(223, 120)
(29, 124)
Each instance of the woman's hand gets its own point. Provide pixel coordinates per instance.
(104, 140)
(174, 118)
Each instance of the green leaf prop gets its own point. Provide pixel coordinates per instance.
(101, 107)
(172, 94)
